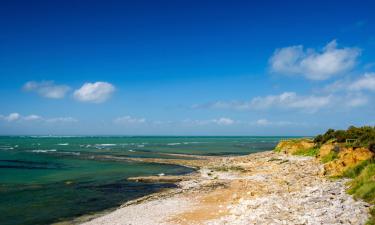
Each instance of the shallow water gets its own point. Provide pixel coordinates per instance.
(49, 179)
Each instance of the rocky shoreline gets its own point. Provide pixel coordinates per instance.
(261, 188)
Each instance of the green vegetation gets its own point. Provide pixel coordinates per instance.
(353, 137)
(355, 171)
(371, 220)
(277, 149)
(328, 158)
(307, 152)
(363, 184)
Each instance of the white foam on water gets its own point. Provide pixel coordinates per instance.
(105, 145)
(43, 151)
(63, 144)
(172, 144)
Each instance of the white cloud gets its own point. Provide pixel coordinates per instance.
(61, 120)
(32, 117)
(47, 89)
(366, 82)
(312, 64)
(286, 100)
(265, 122)
(13, 117)
(291, 100)
(222, 121)
(97, 92)
(129, 120)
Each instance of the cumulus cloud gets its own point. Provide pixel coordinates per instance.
(13, 117)
(47, 89)
(313, 64)
(97, 92)
(129, 120)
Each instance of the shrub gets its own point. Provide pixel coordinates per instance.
(363, 136)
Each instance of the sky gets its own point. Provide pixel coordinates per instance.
(186, 67)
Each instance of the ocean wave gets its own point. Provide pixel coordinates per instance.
(43, 151)
(6, 148)
(140, 146)
(105, 145)
(102, 146)
(172, 144)
(63, 144)
(70, 153)
(131, 150)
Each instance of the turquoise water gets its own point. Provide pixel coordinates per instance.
(51, 179)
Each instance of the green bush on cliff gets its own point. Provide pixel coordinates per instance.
(353, 136)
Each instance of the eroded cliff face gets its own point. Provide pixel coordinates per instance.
(294, 146)
(337, 158)
(347, 158)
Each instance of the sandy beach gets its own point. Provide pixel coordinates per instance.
(261, 188)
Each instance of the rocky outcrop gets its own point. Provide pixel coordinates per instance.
(292, 146)
(347, 158)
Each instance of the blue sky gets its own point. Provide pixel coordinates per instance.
(186, 67)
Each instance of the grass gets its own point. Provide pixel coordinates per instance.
(307, 152)
(329, 157)
(355, 171)
(371, 220)
(363, 186)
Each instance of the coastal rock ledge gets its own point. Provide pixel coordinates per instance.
(261, 188)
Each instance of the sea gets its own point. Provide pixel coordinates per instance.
(49, 179)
